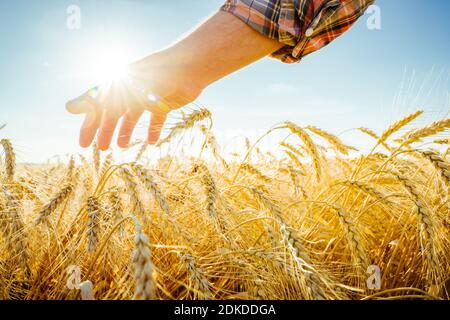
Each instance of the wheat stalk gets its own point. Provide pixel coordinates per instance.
(96, 157)
(292, 149)
(187, 123)
(144, 270)
(354, 237)
(70, 169)
(373, 135)
(432, 129)
(211, 141)
(148, 181)
(258, 174)
(299, 254)
(93, 227)
(294, 245)
(296, 160)
(106, 164)
(333, 140)
(310, 147)
(133, 191)
(292, 238)
(141, 151)
(398, 125)
(13, 229)
(439, 163)
(442, 141)
(10, 158)
(116, 207)
(426, 220)
(54, 203)
(211, 190)
(202, 286)
(366, 188)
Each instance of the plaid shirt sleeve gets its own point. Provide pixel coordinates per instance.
(304, 26)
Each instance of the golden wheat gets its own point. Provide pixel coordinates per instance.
(293, 223)
(10, 158)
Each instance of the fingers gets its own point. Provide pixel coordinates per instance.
(103, 117)
(156, 124)
(86, 104)
(129, 122)
(108, 122)
(108, 126)
(89, 128)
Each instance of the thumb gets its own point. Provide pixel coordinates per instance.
(83, 104)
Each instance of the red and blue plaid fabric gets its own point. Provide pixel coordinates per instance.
(304, 26)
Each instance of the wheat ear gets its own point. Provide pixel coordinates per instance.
(397, 126)
(333, 140)
(144, 269)
(426, 220)
(211, 190)
(202, 286)
(93, 227)
(366, 188)
(133, 191)
(439, 163)
(70, 169)
(355, 240)
(373, 135)
(211, 195)
(57, 200)
(10, 158)
(188, 122)
(310, 147)
(254, 171)
(14, 231)
(106, 164)
(296, 161)
(294, 245)
(427, 131)
(116, 207)
(211, 141)
(96, 157)
(298, 252)
(141, 151)
(292, 149)
(149, 183)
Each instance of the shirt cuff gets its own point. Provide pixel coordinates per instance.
(304, 26)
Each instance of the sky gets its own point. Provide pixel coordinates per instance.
(365, 78)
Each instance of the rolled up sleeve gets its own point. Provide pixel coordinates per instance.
(304, 26)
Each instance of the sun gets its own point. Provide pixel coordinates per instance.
(108, 65)
(112, 67)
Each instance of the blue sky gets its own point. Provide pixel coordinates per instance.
(365, 78)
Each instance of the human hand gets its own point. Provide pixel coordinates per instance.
(128, 99)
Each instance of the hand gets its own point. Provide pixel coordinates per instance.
(177, 75)
(129, 99)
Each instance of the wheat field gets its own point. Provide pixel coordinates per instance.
(312, 219)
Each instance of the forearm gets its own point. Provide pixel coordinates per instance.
(231, 39)
(171, 79)
(220, 46)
